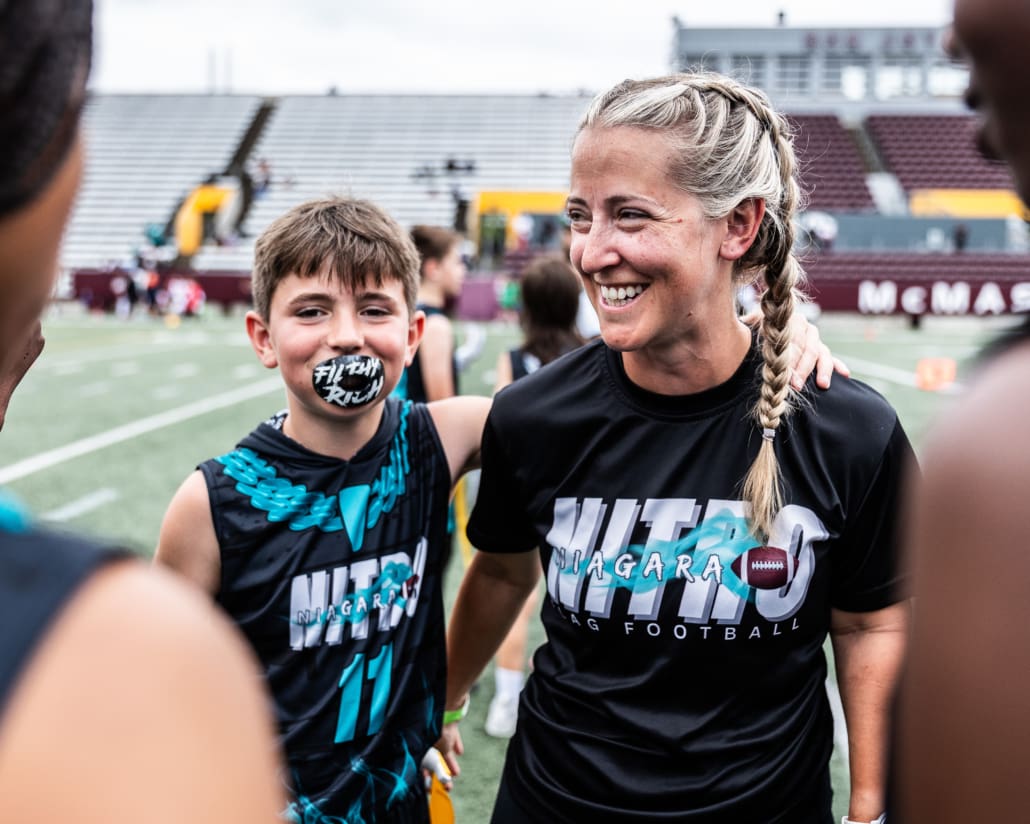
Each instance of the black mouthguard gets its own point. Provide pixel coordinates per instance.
(349, 381)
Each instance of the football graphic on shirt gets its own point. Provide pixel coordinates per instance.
(765, 567)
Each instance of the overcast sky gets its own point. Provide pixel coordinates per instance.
(302, 46)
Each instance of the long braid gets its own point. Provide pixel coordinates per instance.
(782, 274)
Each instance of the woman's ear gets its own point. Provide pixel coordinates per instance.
(261, 340)
(742, 225)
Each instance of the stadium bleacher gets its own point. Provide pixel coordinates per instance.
(416, 155)
(374, 146)
(145, 153)
(935, 152)
(832, 170)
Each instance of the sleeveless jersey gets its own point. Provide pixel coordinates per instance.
(522, 363)
(411, 386)
(682, 678)
(332, 570)
(40, 572)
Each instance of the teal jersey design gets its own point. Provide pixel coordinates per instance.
(333, 571)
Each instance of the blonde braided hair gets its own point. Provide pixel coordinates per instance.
(730, 146)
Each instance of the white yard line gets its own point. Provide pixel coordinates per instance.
(75, 360)
(45, 460)
(87, 503)
(903, 377)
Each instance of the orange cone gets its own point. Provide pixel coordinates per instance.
(934, 374)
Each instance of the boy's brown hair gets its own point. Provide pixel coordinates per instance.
(355, 238)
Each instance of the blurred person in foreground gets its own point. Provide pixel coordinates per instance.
(966, 682)
(123, 696)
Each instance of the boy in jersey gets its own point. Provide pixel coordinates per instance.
(322, 532)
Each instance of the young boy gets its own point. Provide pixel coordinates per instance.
(322, 532)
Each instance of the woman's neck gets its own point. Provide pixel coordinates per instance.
(691, 366)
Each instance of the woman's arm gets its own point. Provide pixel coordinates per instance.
(492, 593)
(868, 649)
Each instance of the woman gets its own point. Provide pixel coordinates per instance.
(701, 527)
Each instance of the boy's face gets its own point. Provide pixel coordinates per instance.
(311, 320)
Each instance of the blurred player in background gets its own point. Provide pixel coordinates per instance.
(433, 374)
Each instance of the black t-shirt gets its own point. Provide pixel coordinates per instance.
(40, 573)
(683, 674)
(333, 571)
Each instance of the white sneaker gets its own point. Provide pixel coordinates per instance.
(501, 716)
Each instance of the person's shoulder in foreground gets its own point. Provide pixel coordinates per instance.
(123, 697)
(965, 683)
(968, 673)
(131, 699)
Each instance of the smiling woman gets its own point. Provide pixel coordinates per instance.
(699, 545)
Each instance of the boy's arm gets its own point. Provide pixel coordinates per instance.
(492, 593)
(459, 423)
(141, 704)
(187, 542)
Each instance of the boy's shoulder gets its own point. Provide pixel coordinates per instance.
(459, 423)
(466, 411)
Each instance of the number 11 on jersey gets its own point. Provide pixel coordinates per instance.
(354, 675)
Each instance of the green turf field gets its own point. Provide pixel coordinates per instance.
(116, 413)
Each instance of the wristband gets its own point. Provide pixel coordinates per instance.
(453, 716)
(880, 819)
